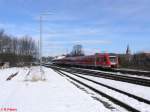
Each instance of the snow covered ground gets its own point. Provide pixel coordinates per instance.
(115, 73)
(55, 94)
(130, 88)
(126, 69)
(137, 90)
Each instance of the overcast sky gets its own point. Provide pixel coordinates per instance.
(99, 25)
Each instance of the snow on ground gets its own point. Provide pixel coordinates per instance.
(115, 73)
(55, 94)
(126, 69)
(141, 91)
(5, 73)
(132, 102)
(134, 75)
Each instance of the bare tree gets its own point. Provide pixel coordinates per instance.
(77, 50)
(13, 49)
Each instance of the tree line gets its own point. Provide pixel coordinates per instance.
(139, 60)
(17, 50)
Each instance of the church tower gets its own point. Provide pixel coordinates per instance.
(128, 51)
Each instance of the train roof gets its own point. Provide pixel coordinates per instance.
(75, 57)
(59, 57)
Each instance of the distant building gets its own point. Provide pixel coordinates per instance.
(146, 53)
(4, 65)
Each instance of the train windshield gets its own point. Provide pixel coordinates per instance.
(112, 59)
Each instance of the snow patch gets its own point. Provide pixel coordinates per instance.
(56, 94)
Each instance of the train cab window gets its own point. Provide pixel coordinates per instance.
(112, 58)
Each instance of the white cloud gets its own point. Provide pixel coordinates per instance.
(82, 42)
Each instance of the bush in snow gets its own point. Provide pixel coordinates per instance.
(36, 78)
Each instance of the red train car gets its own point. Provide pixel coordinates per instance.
(98, 60)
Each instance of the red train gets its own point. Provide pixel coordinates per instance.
(98, 60)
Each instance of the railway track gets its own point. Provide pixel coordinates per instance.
(111, 98)
(123, 71)
(133, 72)
(128, 79)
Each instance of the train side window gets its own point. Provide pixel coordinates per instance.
(105, 59)
(97, 59)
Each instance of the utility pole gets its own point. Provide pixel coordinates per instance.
(40, 56)
(0, 46)
(41, 39)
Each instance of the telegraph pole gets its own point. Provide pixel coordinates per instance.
(41, 39)
(40, 56)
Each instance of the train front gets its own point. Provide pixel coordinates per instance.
(113, 61)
